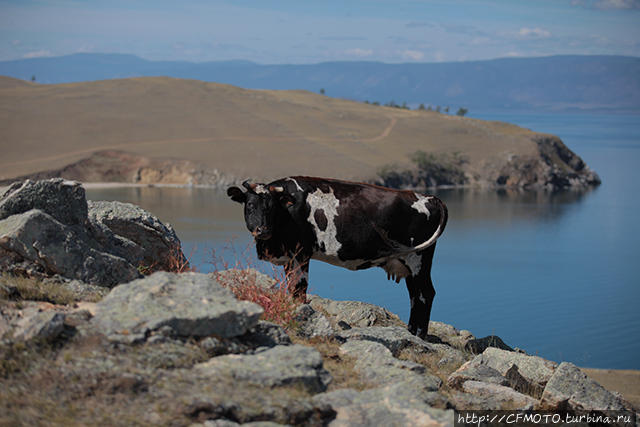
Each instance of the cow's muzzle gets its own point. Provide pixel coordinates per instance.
(261, 233)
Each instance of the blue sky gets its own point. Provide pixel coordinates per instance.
(300, 31)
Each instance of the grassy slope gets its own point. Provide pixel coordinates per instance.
(243, 132)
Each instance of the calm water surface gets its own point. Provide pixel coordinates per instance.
(556, 275)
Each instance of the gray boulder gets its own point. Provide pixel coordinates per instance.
(376, 365)
(354, 313)
(394, 405)
(267, 334)
(46, 325)
(395, 338)
(535, 370)
(160, 246)
(496, 396)
(227, 423)
(36, 243)
(312, 323)
(295, 365)
(47, 228)
(475, 372)
(177, 305)
(449, 334)
(478, 345)
(63, 200)
(570, 388)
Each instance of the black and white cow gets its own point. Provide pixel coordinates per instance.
(348, 224)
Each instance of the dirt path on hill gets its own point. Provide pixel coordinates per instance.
(385, 133)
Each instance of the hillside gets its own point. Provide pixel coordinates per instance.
(177, 131)
(603, 83)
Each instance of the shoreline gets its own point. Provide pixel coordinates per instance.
(624, 381)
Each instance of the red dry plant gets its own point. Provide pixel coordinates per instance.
(247, 283)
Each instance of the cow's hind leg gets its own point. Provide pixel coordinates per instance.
(297, 278)
(421, 293)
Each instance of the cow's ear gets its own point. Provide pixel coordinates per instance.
(236, 194)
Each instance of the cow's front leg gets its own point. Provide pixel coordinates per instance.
(421, 294)
(297, 276)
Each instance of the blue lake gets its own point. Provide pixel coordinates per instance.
(557, 275)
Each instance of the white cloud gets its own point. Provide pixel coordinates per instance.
(607, 4)
(37, 54)
(533, 33)
(414, 55)
(618, 4)
(360, 53)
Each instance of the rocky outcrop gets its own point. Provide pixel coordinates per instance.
(354, 313)
(570, 388)
(189, 305)
(553, 167)
(291, 365)
(47, 228)
(180, 349)
(120, 166)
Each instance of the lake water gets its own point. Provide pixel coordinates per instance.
(557, 275)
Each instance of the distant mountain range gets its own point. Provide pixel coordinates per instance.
(594, 83)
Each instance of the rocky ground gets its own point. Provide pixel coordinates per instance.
(180, 349)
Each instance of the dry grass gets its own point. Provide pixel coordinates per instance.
(176, 262)
(264, 134)
(341, 366)
(33, 289)
(431, 361)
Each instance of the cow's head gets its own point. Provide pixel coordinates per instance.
(262, 203)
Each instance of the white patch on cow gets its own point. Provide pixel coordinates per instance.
(296, 183)
(421, 204)
(329, 205)
(260, 189)
(414, 262)
(422, 299)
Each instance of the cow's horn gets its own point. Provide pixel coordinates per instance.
(276, 189)
(249, 185)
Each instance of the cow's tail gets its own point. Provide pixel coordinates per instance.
(444, 216)
(400, 249)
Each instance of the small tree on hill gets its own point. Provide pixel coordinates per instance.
(462, 111)
(322, 91)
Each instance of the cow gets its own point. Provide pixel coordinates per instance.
(347, 224)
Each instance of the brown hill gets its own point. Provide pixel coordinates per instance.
(181, 130)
